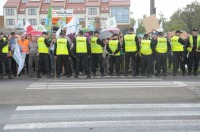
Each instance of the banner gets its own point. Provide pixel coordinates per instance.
(19, 58)
(111, 23)
(151, 23)
(48, 22)
(21, 64)
(20, 23)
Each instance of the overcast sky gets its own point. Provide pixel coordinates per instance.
(141, 7)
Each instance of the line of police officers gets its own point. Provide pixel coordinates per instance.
(132, 48)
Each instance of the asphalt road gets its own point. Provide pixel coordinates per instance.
(109, 104)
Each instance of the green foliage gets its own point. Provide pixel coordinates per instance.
(185, 19)
(141, 29)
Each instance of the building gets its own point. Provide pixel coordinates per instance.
(87, 10)
(1, 21)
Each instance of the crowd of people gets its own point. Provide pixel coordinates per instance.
(126, 55)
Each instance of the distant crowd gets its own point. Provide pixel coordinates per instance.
(117, 55)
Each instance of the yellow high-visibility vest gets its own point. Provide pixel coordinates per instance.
(161, 46)
(81, 45)
(113, 45)
(176, 46)
(42, 48)
(62, 47)
(146, 47)
(130, 44)
(5, 48)
(95, 48)
(191, 43)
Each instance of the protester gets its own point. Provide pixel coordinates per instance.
(33, 57)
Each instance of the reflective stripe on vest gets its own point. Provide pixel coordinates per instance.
(113, 45)
(95, 48)
(146, 47)
(24, 44)
(161, 46)
(5, 48)
(81, 45)
(42, 48)
(176, 46)
(192, 42)
(62, 47)
(130, 44)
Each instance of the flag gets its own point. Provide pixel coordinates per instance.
(58, 33)
(61, 22)
(111, 23)
(91, 26)
(20, 23)
(19, 58)
(72, 26)
(48, 22)
(28, 27)
(41, 28)
(136, 26)
(160, 29)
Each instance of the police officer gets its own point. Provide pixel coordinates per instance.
(96, 53)
(3, 57)
(193, 48)
(113, 49)
(81, 52)
(131, 49)
(146, 56)
(62, 50)
(43, 50)
(178, 47)
(162, 47)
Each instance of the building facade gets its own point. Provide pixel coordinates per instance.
(87, 10)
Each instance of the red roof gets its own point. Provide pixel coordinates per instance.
(12, 3)
(34, 4)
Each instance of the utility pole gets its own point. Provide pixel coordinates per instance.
(152, 7)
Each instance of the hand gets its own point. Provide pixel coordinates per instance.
(38, 54)
(113, 54)
(55, 57)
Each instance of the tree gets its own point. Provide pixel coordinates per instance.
(185, 19)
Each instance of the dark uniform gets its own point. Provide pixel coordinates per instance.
(146, 51)
(178, 47)
(3, 58)
(82, 52)
(96, 54)
(162, 47)
(62, 50)
(193, 47)
(131, 49)
(43, 50)
(113, 49)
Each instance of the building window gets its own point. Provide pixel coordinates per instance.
(47, 1)
(33, 21)
(42, 20)
(104, 0)
(32, 12)
(24, 1)
(57, 8)
(10, 22)
(92, 11)
(121, 14)
(76, 1)
(81, 19)
(9, 12)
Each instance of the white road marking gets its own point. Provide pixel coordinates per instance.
(105, 106)
(142, 123)
(106, 85)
